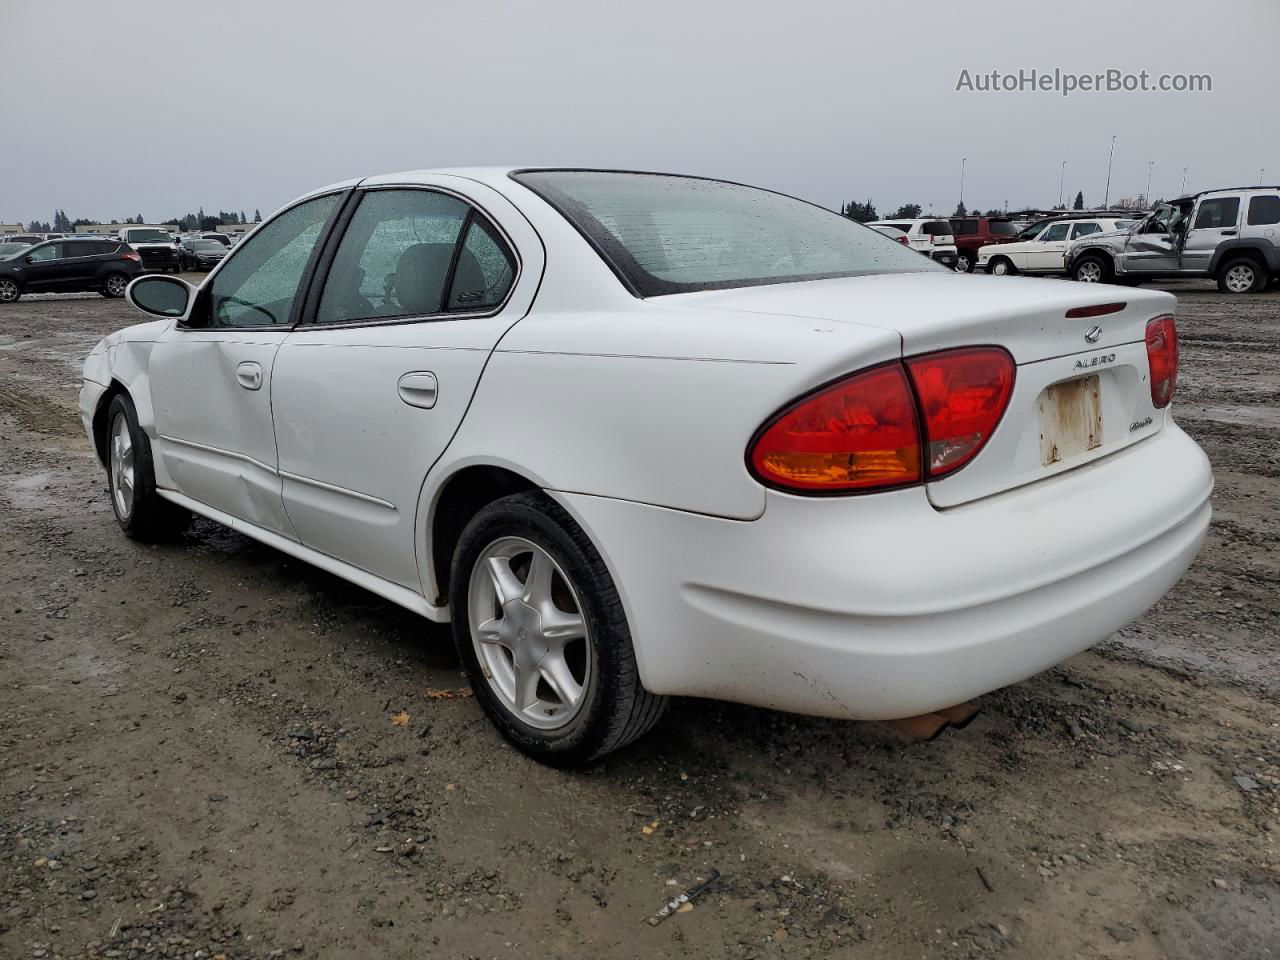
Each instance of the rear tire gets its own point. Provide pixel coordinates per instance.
(1242, 275)
(114, 285)
(1002, 267)
(563, 719)
(141, 512)
(10, 292)
(1091, 269)
(964, 263)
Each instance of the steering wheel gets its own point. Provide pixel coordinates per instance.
(271, 317)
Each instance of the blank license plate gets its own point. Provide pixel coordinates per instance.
(1070, 419)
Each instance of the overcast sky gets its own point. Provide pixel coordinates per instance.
(158, 108)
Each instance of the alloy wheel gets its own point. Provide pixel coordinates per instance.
(122, 469)
(962, 264)
(1090, 272)
(8, 291)
(1240, 278)
(1000, 268)
(529, 633)
(116, 285)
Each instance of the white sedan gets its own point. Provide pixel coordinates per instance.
(1043, 252)
(640, 435)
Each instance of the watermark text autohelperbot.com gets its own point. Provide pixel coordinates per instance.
(1065, 83)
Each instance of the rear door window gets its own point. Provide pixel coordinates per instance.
(1264, 210)
(1084, 229)
(397, 256)
(1218, 212)
(45, 253)
(964, 228)
(1056, 232)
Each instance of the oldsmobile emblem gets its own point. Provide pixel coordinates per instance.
(1093, 334)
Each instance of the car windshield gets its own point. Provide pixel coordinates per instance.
(1032, 231)
(148, 236)
(207, 245)
(11, 249)
(666, 234)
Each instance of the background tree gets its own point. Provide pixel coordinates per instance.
(257, 215)
(960, 210)
(35, 226)
(210, 223)
(1079, 204)
(908, 211)
(862, 212)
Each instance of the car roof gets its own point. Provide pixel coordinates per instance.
(1202, 193)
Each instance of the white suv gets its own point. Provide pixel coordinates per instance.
(1043, 252)
(931, 236)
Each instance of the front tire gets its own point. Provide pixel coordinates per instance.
(141, 512)
(1002, 267)
(1242, 275)
(10, 292)
(1091, 270)
(542, 635)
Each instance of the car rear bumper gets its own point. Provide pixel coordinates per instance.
(881, 606)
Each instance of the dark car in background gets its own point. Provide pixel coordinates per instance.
(69, 266)
(201, 253)
(971, 233)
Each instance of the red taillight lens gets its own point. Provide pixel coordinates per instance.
(904, 240)
(1162, 358)
(963, 394)
(132, 255)
(858, 434)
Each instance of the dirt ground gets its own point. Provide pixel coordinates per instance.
(197, 757)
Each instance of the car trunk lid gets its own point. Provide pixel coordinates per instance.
(1081, 390)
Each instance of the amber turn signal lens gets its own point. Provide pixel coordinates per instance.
(858, 434)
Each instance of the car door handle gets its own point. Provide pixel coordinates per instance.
(249, 374)
(418, 389)
(1229, 233)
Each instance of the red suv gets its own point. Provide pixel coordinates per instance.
(974, 232)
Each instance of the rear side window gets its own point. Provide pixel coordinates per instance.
(1056, 232)
(964, 228)
(1002, 228)
(484, 272)
(667, 234)
(1084, 229)
(936, 228)
(79, 248)
(401, 253)
(1219, 212)
(1264, 210)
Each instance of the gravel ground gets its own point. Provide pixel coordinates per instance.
(198, 759)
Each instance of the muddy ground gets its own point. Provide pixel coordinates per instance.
(197, 757)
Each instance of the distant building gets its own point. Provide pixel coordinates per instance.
(7, 229)
(111, 229)
(236, 230)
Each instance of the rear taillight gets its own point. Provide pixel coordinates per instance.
(904, 240)
(963, 394)
(132, 255)
(865, 433)
(860, 433)
(1162, 359)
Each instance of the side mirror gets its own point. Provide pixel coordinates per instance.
(29, 258)
(160, 295)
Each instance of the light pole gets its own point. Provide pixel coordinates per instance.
(1061, 176)
(1106, 198)
(1261, 173)
(1184, 180)
(1147, 196)
(962, 160)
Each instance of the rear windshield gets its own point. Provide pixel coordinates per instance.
(964, 228)
(1002, 228)
(667, 234)
(936, 228)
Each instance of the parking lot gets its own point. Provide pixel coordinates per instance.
(210, 749)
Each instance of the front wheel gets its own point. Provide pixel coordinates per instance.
(1241, 275)
(9, 290)
(1003, 267)
(541, 632)
(141, 512)
(1091, 270)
